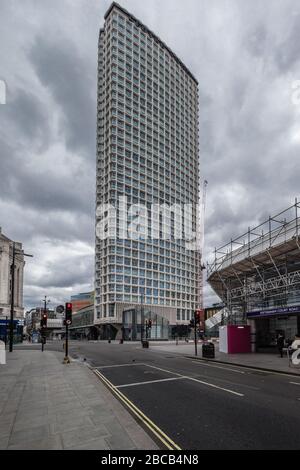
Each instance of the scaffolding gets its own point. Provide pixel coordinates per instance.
(260, 269)
(200, 233)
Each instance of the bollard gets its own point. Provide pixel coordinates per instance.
(2, 353)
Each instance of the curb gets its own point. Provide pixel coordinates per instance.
(216, 361)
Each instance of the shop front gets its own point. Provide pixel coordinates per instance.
(266, 325)
(136, 325)
(18, 326)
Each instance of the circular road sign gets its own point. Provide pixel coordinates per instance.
(68, 322)
(60, 309)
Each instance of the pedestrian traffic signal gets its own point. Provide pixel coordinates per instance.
(44, 320)
(68, 311)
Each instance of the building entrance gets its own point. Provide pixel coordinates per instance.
(135, 325)
(268, 329)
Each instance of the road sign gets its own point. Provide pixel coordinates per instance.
(35, 337)
(69, 322)
(60, 309)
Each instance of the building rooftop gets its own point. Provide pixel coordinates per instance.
(147, 30)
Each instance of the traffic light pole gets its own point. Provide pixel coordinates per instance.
(43, 329)
(67, 344)
(68, 320)
(195, 330)
(142, 318)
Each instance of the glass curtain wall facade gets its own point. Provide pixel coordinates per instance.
(147, 150)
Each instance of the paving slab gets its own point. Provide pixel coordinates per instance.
(46, 405)
(84, 435)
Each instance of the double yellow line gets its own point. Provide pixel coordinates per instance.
(167, 442)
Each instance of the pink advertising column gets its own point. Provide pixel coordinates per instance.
(239, 339)
(235, 339)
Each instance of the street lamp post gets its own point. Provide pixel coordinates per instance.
(12, 303)
(11, 328)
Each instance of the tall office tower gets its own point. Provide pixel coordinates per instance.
(147, 152)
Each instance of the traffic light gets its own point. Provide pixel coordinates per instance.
(198, 317)
(150, 324)
(192, 323)
(44, 320)
(68, 311)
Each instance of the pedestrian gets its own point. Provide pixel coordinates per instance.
(280, 344)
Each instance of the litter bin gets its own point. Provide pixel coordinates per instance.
(208, 350)
(145, 344)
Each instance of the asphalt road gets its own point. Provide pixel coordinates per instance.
(201, 405)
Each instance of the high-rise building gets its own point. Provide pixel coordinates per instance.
(147, 152)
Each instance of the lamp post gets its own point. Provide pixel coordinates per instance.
(12, 303)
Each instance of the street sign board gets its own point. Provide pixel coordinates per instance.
(35, 337)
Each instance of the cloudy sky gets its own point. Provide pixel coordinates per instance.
(245, 54)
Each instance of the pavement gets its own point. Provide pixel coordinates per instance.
(45, 405)
(269, 362)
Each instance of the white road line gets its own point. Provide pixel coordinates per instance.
(294, 383)
(151, 382)
(219, 367)
(216, 386)
(199, 381)
(164, 370)
(121, 365)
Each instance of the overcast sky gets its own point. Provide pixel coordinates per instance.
(245, 55)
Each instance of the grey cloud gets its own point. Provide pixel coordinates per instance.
(72, 84)
(43, 189)
(74, 272)
(29, 116)
(256, 41)
(287, 54)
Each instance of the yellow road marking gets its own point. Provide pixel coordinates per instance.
(147, 421)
